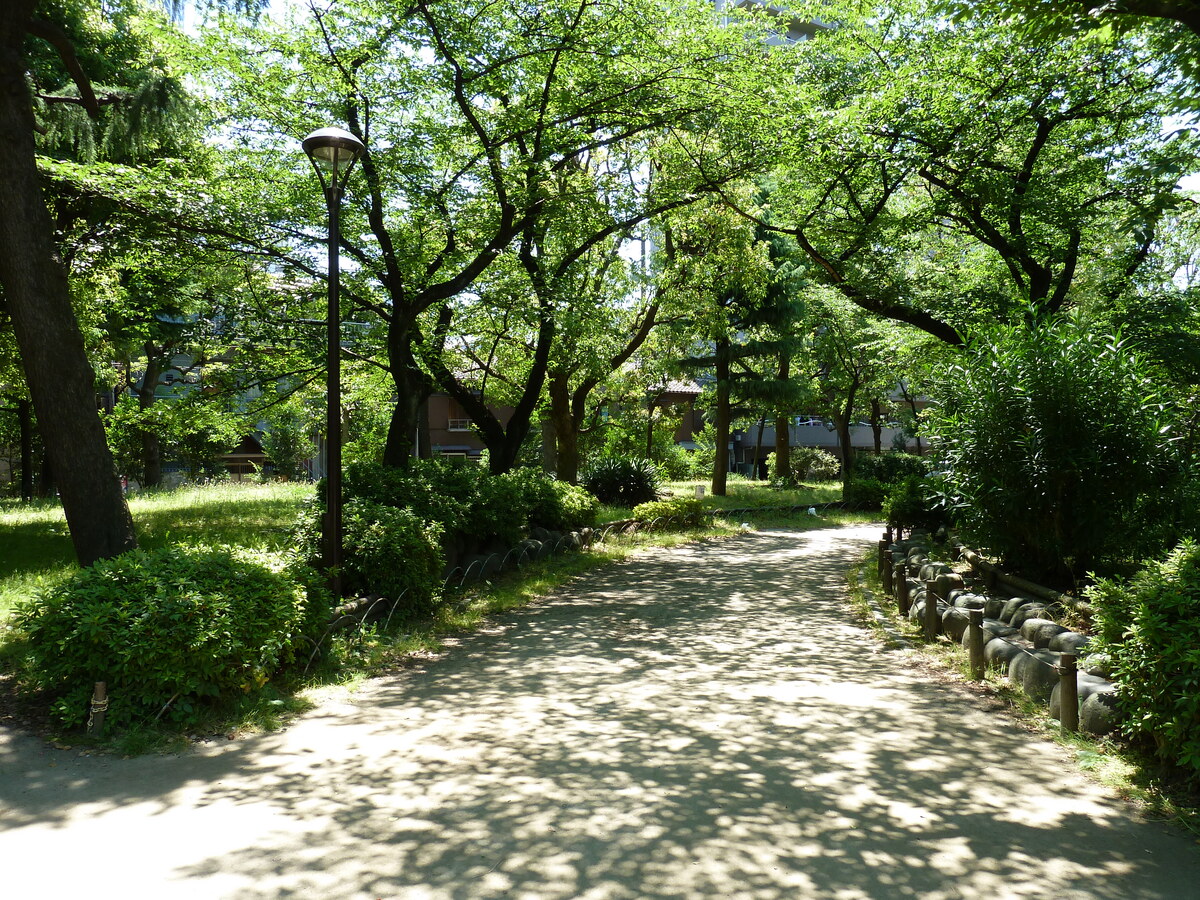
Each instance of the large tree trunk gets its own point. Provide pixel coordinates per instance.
(721, 426)
(25, 420)
(61, 380)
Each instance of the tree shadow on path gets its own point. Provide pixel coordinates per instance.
(705, 721)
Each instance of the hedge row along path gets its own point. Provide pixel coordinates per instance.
(706, 721)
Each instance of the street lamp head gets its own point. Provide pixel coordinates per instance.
(333, 152)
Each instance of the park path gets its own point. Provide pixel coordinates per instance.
(706, 721)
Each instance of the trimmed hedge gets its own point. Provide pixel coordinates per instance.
(169, 630)
(689, 509)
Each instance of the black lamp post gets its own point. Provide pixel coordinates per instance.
(333, 153)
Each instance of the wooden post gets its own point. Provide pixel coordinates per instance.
(933, 625)
(885, 565)
(99, 706)
(1068, 694)
(900, 581)
(975, 644)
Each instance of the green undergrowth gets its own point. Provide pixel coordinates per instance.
(1127, 769)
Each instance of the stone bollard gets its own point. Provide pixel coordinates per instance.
(1068, 694)
(933, 622)
(975, 644)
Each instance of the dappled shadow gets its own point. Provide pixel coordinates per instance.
(699, 722)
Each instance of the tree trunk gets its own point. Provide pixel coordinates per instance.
(424, 440)
(566, 429)
(151, 445)
(783, 429)
(877, 425)
(413, 388)
(25, 420)
(721, 426)
(402, 429)
(61, 380)
(762, 426)
(842, 422)
(549, 446)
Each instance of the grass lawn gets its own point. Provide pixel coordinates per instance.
(36, 549)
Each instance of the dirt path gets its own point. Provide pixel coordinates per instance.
(700, 722)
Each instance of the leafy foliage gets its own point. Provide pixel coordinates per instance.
(169, 630)
(890, 468)
(1052, 438)
(1148, 628)
(688, 510)
(622, 482)
(814, 464)
(910, 504)
(392, 552)
(865, 493)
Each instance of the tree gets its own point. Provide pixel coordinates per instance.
(968, 179)
(37, 297)
(521, 134)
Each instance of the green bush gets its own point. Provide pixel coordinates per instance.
(622, 482)
(1148, 628)
(434, 490)
(391, 552)
(1051, 437)
(576, 509)
(813, 464)
(169, 630)
(889, 468)
(910, 505)
(689, 510)
(865, 493)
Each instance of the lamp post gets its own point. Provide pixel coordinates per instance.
(333, 153)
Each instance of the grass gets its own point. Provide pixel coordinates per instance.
(36, 549)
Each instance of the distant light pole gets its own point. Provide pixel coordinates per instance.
(333, 153)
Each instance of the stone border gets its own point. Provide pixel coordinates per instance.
(1015, 632)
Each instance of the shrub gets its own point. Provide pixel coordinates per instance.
(910, 504)
(622, 482)
(1051, 437)
(865, 493)
(434, 490)
(391, 552)
(889, 468)
(169, 630)
(814, 464)
(577, 508)
(688, 510)
(1148, 628)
